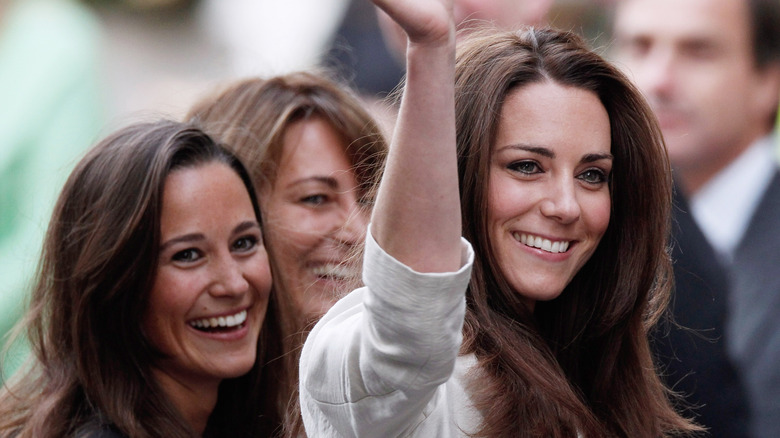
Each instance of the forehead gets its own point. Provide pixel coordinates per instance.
(555, 116)
(312, 142)
(210, 187)
(676, 20)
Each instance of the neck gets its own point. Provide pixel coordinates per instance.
(195, 402)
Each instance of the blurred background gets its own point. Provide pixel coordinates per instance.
(156, 56)
(71, 71)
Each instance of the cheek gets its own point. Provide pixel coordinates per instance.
(597, 213)
(172, 296)
(293, 228)
(260, 276)
(508, 199)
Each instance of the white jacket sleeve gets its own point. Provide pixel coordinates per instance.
(375, 364)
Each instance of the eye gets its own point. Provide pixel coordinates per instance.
(700, 50)
(317, 199)
(245, 243)
(594, 176)
(188, 255)
(527, 167)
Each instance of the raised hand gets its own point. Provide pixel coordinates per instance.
(416, 218)
(424, 21)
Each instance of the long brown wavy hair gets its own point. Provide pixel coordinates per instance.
(579, 364)
(92, 361)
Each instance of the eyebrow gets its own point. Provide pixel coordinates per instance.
(246, 225)
(590, 158)
(327, 180)
(197, 237)
(192, 237)
(545, 152)
(538, 150)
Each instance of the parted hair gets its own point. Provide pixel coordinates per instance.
(92, 361)
(253, 114)
(581, 363)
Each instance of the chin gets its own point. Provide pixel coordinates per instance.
(238, 369)
(539, 294)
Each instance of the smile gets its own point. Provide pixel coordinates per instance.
(541, 243)
(333, 271)
(220, 322)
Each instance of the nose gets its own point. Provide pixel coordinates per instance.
(656, 75)
(561, 203)
(229, 280)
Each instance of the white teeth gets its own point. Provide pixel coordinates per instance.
(333, 270)
(221, 321)
(540, 243)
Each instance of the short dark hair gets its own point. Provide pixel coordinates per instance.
(764, 16)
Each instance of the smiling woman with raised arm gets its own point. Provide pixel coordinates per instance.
(153, 313)
(565, 197)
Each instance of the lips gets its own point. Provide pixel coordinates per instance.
(551, 246)
(220, 323)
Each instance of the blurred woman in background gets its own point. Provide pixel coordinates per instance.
(315, 156)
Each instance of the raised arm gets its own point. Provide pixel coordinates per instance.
(379, 362)
(417, 215)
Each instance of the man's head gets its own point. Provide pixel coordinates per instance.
(711, 71)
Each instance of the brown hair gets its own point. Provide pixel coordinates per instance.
(252, 116)
(92, 359)
(581, 362)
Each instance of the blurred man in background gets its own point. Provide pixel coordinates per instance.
(711, 71)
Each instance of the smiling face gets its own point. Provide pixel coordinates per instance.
(549, 201)
(210, 294)
(316, 216)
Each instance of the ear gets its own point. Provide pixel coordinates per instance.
(766, 93)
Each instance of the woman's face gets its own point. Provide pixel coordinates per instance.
(315, 216)
(549, 201)
(210, 294)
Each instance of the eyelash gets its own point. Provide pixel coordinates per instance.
(184, 256)
(253, 242)
(181, 255)
(317, 199)
(603, 177)
(515, 166)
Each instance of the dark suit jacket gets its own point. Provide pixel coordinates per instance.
(691, 350)
(754, 313)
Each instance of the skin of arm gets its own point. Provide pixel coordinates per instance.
(416, 218)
